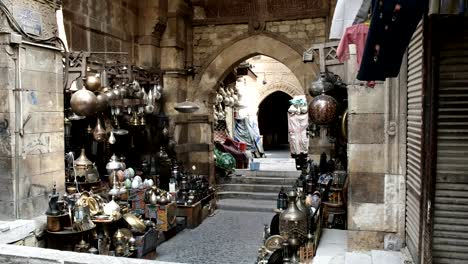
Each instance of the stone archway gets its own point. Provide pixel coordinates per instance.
(282, 86)
(233, 53)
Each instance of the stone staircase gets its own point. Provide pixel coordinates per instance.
(256, 191)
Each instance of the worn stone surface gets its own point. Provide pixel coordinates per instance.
(364, 240)
(23, 254)
(89, 21)
(366, 216)
(365, 100)
(366, 158)
(366, 129)
(208, 244)
(366, 187)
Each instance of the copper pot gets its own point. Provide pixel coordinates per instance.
(83, 102)
(92, 83)
(323, 109)
(99, 133)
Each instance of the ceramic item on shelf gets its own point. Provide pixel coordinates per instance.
(84, 102)
(150, 182)
(120, 175)
(128, 183)
(111, 207)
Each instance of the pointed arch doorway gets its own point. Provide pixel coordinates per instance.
(273, 121)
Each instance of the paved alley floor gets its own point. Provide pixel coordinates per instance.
(227, 237)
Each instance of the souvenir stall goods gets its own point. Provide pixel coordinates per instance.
(124, 189)
(294, 232)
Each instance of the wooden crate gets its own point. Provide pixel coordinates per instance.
(137, 199)
(166, 216)
(146, 243)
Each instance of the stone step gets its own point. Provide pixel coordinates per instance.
(268, 173)
(247, 205)
(244, 187)
(259, 180)
(248, 195)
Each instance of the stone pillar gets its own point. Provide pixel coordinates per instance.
(152, 21)
(173, 55)
(32, 144)
(376, 155)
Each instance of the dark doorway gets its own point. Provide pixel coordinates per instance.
(273, 120)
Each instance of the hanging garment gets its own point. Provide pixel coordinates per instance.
(343, 17)
(357, 35)
(245, 131)
(363, 12)
(392, 26)
(297, 131)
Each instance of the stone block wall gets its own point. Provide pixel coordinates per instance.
(32, 161)
(303, 31)
(207, 39)
(102, 25)
(376, 160)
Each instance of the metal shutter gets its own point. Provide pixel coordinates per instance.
(414, 144)
(450, 232)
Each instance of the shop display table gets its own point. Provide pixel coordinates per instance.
(191, 212)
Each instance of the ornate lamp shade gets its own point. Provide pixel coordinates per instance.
(323, 109)
(320, 85)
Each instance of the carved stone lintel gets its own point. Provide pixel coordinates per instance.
(256, 25)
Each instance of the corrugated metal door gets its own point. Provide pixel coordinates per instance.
(414, 143)
(450, 225)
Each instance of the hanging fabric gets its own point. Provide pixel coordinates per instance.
(356, 34)
(297, 128)
(363, 12)
(392, 25)
(343, 17)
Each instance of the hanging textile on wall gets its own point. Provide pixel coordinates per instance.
(343, 17)
(356, 34)
(297, 131)
(247, 131)
(392, 26)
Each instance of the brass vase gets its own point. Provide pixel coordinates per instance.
(293, 222)
(99, 133)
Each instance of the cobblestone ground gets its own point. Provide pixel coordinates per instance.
(227, 237)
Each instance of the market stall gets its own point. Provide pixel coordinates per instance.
(126, 192)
